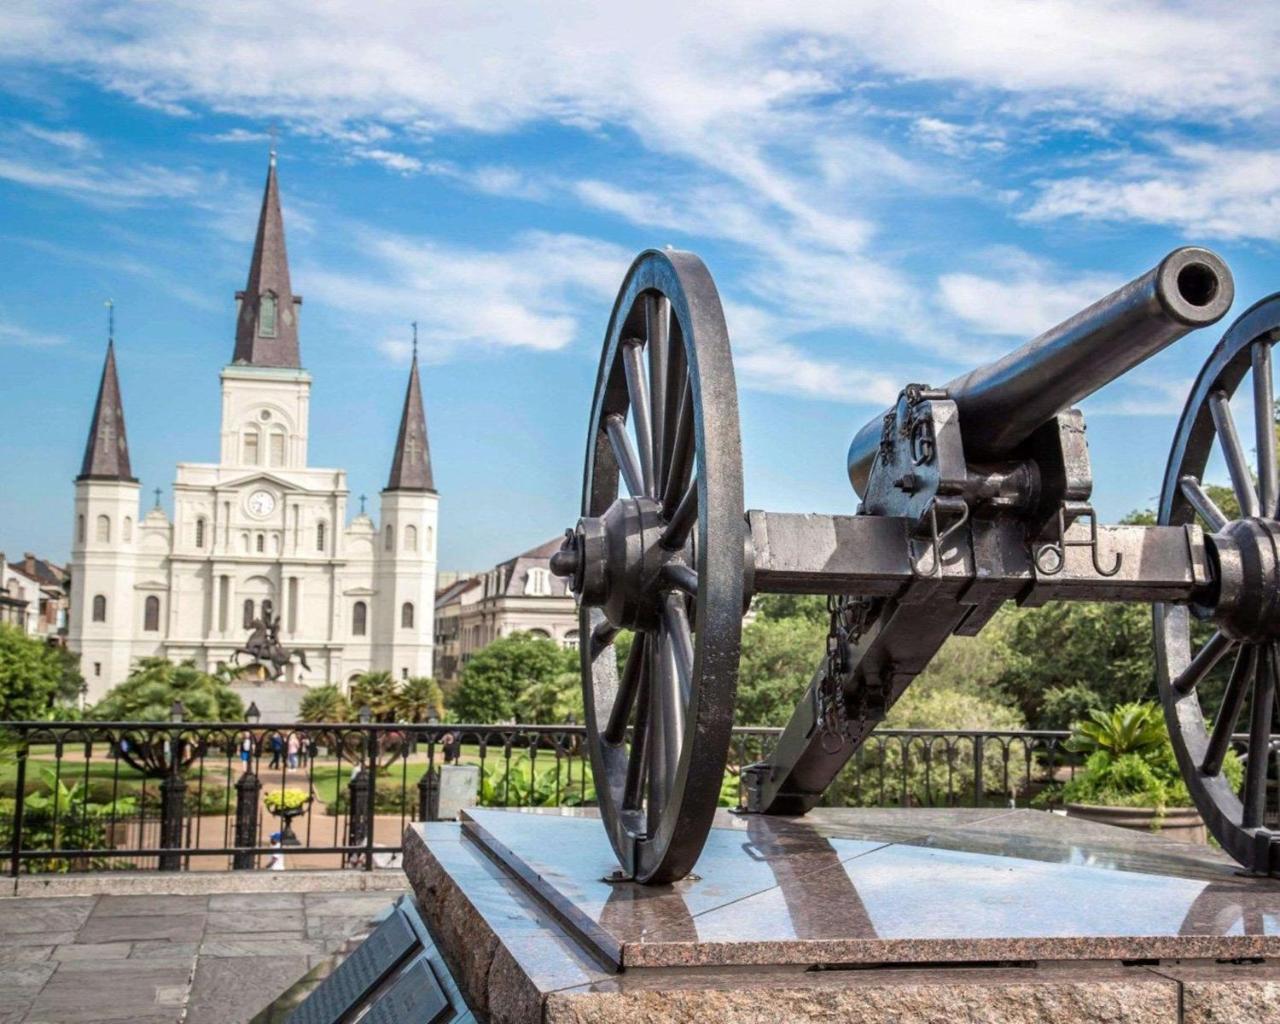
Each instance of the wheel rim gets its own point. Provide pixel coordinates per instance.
(1247, 632)
(665, 561)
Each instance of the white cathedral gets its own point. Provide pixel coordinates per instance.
(258, 525)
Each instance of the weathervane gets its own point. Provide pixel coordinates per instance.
(157, 494)
(272, 131)
(415, 339)
(111, 321)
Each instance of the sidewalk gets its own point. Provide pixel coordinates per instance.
(214, 958)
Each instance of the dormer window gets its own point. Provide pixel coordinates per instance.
(267, 316)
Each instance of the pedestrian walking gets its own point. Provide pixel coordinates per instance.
(294, 746)
(276, 863)
(277, 748)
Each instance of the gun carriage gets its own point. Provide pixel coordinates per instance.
(972, 494)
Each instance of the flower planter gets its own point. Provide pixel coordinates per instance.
(1180, 823)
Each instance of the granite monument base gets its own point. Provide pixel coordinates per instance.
(853, 916)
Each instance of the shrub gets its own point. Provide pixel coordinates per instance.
(278, 801)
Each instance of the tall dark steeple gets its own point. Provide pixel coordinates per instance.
(411, 467)
(106, 452)
(267, 321)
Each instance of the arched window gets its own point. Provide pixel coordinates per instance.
(320, 535)
(99, 608)
(277, 447)
(359, 618)
(571, 639)
(80, 529)
(104, 530)
(200, 532)
(251, 447)
(244, 543)
(261, 542)
(390, 534)
(151, 614)
(128, 528)
(406, 615)
(267, 315)
(411, 538)
(431, 538)
(247, 619)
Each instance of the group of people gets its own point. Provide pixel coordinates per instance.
(291, 749)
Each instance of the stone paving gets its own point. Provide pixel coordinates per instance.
(215, 958)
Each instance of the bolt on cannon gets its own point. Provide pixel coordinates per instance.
(971, 494)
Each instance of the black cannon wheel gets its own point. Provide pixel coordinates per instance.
(1201, 728)
(664, 422)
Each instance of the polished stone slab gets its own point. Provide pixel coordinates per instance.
(849, 887)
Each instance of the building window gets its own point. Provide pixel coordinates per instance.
(320, 537)
(104, 530)
(200, 532)
(97, 668)
(261, 543)
(406, 615)
(359, 618)
(390, 534)
(224, 596)
(293, 604)
(80, 529)
(251, 447)
(99, 608)
(267, 316)
(151, 614)
(571, 639)
(128, 528)
(538, 583)
(244, 543)
(431, 538)
(277, 448)
(247, 618)
(411, 538)
(404, 673)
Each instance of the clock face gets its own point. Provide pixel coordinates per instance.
(261, 503)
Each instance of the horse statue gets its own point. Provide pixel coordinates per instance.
(264, 646)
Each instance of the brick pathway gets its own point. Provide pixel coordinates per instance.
(144, 959)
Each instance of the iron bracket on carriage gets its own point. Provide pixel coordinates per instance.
(971, 494)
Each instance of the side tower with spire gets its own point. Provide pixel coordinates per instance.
(406, 567)
(103, 543)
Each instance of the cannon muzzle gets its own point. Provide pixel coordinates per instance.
(1001, 404)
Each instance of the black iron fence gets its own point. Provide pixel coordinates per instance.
(78, 796)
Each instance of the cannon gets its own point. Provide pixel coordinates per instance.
(970, 495)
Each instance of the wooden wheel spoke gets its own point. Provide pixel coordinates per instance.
(1233, 452)
(679, 635)
(678, 387)
(657, 314)
(1255, 775)
(1202, 664)
(638, 391)
(625, 454)
(1242, 676)
(681, 577)
(638, 756)
(676, 532)
(629, 684)
(1199, 500)
(1265, 427)
(681, 456)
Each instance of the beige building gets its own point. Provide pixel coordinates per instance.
(258, 525)
(36, 593)
(518, 595)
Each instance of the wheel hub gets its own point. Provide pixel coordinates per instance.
(1247, 605)
(614, 562)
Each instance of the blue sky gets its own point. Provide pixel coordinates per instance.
(884, 192)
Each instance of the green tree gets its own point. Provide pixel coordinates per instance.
(324, 704)
(34, 677)
(812, 607)
(779, 657)
(379, 692)
(419, 700)
(497, 675)
(552, 701)
(147, 695)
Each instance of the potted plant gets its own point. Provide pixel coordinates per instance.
(1131, 778)
(287, 804)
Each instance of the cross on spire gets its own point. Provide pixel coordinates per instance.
(273, 131)
(415, 339)
(363, 499)
(111, 320)
(157, 494)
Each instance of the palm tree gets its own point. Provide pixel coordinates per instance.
(377, 690)
(419, 700)
(324, 704)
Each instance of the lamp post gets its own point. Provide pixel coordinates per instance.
(173, 791)
(248, 793)
(429, 784)
(360, 796)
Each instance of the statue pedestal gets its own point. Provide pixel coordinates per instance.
(849, 915)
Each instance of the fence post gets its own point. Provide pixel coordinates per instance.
(248, 793)
(173, 792)
(978, 785)
(359, 816)
(429, 795)
(19, 804)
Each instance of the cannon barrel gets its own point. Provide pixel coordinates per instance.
(1001, 404)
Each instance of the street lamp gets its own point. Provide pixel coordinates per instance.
(177, 712)
(253, 715)
(365, 714)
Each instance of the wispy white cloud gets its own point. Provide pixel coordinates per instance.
(65, 139)
(238, 135)
(402, 163)
(15, 334)
(956, 139)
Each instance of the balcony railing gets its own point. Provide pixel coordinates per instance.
(80, 796)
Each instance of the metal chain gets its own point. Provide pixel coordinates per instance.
(848, 619)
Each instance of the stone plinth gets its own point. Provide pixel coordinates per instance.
(850, 915)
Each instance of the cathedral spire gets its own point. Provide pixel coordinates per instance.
(267, 319)
(411, 467)
(106, 452)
